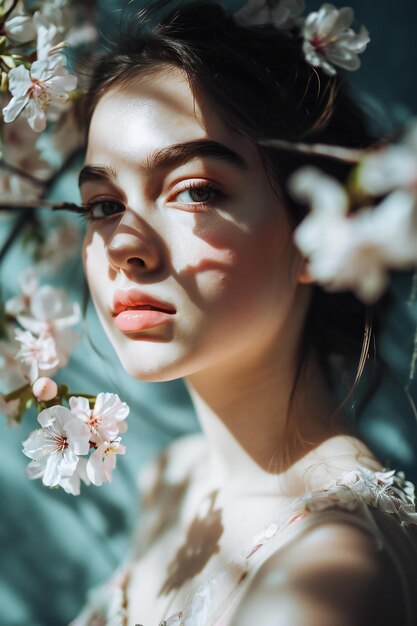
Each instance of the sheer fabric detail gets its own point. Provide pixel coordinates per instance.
(356, 498)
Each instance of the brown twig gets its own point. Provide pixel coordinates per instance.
(350, 155)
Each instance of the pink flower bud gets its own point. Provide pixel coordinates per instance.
(45, 389)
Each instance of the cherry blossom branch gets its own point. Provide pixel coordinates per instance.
(17, 393)
(63, 393)
(16, 170)
(14, 233)
(42, 204)
(9, 11)
(349, 155)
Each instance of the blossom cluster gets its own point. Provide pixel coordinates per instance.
(38, 91)
(74, 444)
(355, 250)
(38, 340)
(327, 36)
(33, 65)
(60, 449)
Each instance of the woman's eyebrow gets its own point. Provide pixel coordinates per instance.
(96, 172)
(170, 157)
(180, 153)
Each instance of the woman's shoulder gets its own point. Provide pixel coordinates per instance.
(352, 553)
(332, 575)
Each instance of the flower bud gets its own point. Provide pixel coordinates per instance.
(45, 389)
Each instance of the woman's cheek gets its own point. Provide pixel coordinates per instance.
(203, 268)
(94, 257)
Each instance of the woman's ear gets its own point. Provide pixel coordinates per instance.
(304, 276)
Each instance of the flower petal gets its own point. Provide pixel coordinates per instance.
(36, 116)
(33, 446)
(78, 436)
(15, 107)
(52, 474)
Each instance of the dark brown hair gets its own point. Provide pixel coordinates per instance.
(262, 87)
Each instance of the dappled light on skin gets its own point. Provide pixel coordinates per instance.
(201, 543)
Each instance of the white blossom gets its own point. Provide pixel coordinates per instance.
(72, 484)
(28, 282)
(38, 355)
(47, 315)
(47, 82)
(49, 312)
(54, 11)
(280, 13)
(329, 40)
(325, 194)
(356, 251)
(55, 447)
(19, 28)
(81, 35)
(47, 36)
(102, 462)
(391, 167)
(11, 375)
(106, 420)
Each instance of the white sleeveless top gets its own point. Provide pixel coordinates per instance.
(360, 497)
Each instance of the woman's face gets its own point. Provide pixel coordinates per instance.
(183, 219)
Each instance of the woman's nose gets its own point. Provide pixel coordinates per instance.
(135, 247)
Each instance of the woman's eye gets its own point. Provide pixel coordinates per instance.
(199, 194)
(102, 208)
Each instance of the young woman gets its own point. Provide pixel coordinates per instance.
(277, 514)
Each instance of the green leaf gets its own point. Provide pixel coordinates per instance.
(8, 61)
(4, 82)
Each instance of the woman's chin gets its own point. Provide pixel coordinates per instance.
(150, 369)
(152, 376)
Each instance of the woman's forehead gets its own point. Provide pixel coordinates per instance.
(148, 112)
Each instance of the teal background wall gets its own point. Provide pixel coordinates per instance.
(54, 546)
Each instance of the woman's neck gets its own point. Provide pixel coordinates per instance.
(250, 417)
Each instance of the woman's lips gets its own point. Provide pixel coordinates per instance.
(134, 310)
(140, 318)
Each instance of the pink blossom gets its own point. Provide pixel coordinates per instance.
(103, 461)
(28, 282)
(11, 375)
(106, 420)
(45, 389)
(38, 355)
(50, 311)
